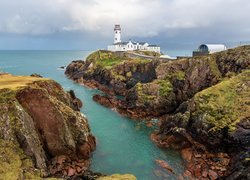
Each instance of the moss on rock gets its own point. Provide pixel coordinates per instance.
(165, 87)
(155, 93)
(225, 104)
(143, 97)
(179, 75)
(214, 67)
(14, 164)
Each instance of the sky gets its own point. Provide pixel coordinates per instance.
(88, 24)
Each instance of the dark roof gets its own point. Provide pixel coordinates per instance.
(153, 46)
(121, 43)
(134, 43)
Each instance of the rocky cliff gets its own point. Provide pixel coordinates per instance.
(203, 103)
(115, 70)
(42, 132)
(154, 87)
(216, 120)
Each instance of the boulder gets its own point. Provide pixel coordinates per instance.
(165, 165)
(187, 154)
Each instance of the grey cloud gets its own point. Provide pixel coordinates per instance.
(173, 20)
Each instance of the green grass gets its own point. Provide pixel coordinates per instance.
(214, 67)
(117, 76)
(226, 103)
(165, 87)
(149, 92)
(14, 164)
(108, 59)
(105, 59)
(108, 63)
(142, 96)
(179, 75)
(10, 161)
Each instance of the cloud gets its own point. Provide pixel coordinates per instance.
(139, 18)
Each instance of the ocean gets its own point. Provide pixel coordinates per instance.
(123, 145)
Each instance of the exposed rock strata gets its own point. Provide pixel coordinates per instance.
(218, 117)
(39, 122)
(127, 72)
(203, 103)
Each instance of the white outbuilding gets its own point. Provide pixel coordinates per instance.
(205, 49)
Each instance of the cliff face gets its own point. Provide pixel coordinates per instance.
(176, 82)
(113, 69)
(41, 129)
(217, 117)
(233, 60)
(203, 104)
(153, 87)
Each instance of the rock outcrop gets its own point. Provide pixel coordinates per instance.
(113, 69)
(203, 104)
(153, 88)
(42, 132)
(219, 118)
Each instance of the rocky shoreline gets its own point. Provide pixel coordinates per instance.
(43, 134)
(202, 103)
(42, 129)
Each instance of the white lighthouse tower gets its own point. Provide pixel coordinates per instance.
(118, 45)
(117, 37)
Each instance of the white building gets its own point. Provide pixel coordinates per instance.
(212, 48)
(205, 49)
(130, 46)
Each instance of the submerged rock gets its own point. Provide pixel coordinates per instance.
(38, 123)
(118, 177)
(164, 165)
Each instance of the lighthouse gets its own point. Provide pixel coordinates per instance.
(117, 37)
(118, 45)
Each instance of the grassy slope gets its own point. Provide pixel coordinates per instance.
(108, 59)
(8, 81)
(226, 103)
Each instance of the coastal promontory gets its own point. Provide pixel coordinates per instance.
(42, 132)
(202, 103)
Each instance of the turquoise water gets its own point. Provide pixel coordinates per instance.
(123, 145)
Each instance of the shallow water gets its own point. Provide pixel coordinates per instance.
(123, 145)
